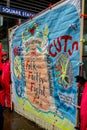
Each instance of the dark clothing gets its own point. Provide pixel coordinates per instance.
(1, 118)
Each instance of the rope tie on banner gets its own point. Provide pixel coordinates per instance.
(17, 23)
(81, 63)
(50, 5)
(82, 40)
(84, 15)
(31, 17)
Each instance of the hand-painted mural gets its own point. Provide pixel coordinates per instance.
(45, 59)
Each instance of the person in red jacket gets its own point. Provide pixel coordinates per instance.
(2, 100)
(82, 82)
(6, 80)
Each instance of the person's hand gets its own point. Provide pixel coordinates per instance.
(79, 85)
(76, 106)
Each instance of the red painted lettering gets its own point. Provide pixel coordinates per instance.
(73, 45)
(59, 44)
(52, 54)
(66, 38)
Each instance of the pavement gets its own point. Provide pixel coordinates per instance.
(14, 121)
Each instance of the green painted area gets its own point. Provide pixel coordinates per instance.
(49, 117)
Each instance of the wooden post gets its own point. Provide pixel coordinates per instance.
(80, 67)
(81, 31)
(9, 32)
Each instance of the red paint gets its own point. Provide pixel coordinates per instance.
(27, 64)
(32, 31)
(52, 54)
(59, 44)
(32, 85)
(34, 99)
(17, 51)
(29, 73)
(73, 46)
(57, 47)
(65, 38)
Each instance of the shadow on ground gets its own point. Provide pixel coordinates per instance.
(14, 121)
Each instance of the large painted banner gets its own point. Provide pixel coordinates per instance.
(45, 59)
